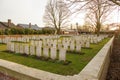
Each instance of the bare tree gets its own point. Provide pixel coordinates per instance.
(56, 14)
(98, 11)
(116, 2)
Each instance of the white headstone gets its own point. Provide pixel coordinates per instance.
(91, 41)
(95, 40)
(27, 49)
(38, 51)
(59, 46)
(59, 41)
(12, 47)
(49, 44)
(87, 44)
(40, 43)
(65, 46)
(32, 50)
(55, 41)
(62, 54)
(32, 42)
(16, 48)
(78, 47)
(21, 48)
(83, 43)
(46, 52)
(72, 46)
(54, 45)
(44, 43)
(53, 53)
(27, 39)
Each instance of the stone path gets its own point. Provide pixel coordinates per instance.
(5, 77)
(114, 68)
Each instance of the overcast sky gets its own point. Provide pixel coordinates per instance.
(26, 11)
(22, 11)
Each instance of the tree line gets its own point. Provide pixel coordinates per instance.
(25, 31)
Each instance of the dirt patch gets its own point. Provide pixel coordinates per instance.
(114, 67)
(6, 77)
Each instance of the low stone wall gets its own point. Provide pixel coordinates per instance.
(95, 70)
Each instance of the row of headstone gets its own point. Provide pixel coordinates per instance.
(91, 38)
(37, 50)
(70, 44)
(24, 38)
(54, 44)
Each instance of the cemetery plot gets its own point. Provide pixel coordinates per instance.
(57, 49)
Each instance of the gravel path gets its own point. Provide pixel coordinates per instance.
(114, 68)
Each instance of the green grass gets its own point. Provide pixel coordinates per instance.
(78, 61)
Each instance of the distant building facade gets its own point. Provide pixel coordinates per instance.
(30, 26)
(5, 25)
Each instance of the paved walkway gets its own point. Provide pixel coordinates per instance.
(114, 68)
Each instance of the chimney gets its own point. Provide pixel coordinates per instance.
(29, 25)
(9, 22)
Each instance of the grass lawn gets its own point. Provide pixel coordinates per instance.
(78, 61)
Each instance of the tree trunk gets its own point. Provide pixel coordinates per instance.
(98, 32)
(58, 31)
(98, 26)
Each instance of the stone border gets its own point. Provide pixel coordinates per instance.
(95, 70)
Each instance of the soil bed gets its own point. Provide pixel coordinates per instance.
(6, 77)
(114, 67)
